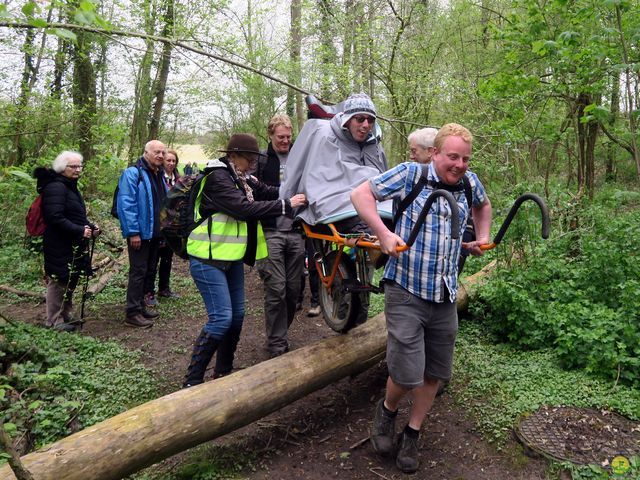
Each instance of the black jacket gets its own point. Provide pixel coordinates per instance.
(268, 171)
(224, 192)
(64, 212)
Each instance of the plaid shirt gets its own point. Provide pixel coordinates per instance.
(431, 264)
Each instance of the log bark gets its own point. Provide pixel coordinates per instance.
(22, 293)
(103, 280)
(469, 285)
(151, 432)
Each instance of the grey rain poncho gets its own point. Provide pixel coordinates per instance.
(326, 164)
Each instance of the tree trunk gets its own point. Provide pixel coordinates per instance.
(16, 157)
(84, 94)
(146, 434)
(631, 98)
(294, 99)
(328, 52)
(142, 108)
(343, 80)
(160, 85)
(581, 139)
(613, 117)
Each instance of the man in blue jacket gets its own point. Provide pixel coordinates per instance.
(141, 191)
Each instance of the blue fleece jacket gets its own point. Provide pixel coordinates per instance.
(135, 201)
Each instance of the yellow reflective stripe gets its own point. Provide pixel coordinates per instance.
(204, 237)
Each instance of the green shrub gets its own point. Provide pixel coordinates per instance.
(52, 384)
(576, 292)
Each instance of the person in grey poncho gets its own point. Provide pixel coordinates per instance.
(331, 158)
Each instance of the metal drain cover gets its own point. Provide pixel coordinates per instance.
(579, 435)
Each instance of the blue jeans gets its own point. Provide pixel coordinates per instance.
(223, 295)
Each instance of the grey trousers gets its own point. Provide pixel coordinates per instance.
(59, 301)
(281, 272)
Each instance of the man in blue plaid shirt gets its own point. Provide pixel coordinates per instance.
(421, 283)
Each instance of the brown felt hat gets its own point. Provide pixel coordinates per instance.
(242, 143)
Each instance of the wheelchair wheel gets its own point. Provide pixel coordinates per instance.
(341, 309)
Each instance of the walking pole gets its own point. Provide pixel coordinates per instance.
(86, 283)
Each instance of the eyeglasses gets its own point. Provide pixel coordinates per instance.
(75, 167)
(363, 118)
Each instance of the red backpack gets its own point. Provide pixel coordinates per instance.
(35, 219)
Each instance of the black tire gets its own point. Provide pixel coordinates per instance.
(340, 308)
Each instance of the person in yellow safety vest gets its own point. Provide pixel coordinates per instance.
(232, 202)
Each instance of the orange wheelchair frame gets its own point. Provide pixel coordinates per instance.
(346, 276)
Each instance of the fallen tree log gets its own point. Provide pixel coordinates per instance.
(469, 285)
(23, 293)
(151, 432)
(114, 268)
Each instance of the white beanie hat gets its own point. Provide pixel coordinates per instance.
(358, 103)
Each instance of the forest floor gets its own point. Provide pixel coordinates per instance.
(323, 435)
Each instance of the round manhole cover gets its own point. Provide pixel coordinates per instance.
(579, 435)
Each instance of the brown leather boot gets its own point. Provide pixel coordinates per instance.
(137, 320)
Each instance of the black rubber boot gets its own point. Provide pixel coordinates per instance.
(226, 353)
(203, 350)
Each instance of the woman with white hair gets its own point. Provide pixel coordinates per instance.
(66, 237)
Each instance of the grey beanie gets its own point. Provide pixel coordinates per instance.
(358, 103)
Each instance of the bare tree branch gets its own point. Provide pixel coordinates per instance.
(185, 46)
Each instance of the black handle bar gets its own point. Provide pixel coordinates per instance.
(512, 213)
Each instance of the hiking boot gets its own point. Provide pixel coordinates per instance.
(277, 353)
(168, 293)
(383, 431)
(407, 457)
(150, 300)
(137, 320)
(150, 313)
(314, 311)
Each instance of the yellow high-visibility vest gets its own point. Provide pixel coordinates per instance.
(221, 237)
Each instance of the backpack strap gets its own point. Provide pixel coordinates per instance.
(424, 181)
(415, 191)
(467, 192)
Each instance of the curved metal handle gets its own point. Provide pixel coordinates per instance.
(512, 213)
(455, 216)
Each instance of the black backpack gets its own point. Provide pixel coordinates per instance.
(114, 201)
(178, 212)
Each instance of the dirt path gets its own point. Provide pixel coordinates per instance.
(324, 435)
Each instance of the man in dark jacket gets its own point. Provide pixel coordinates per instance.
(282, 270)
(141, 191)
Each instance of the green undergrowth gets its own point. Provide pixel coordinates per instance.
(597, 472)
(497, 383)
(53, 384)
(205, 462)
(577, 292)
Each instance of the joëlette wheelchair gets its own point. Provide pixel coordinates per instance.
(346, 261)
